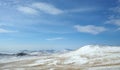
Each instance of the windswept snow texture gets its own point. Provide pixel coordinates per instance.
(94, 55)
(90, 57)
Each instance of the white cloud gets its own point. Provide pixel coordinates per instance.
(90, 29)
(117, 8)
(114, 21)
(27, 10)
(6, 31)
(47, 8)
(57, 38)
(80, 10)
(118, 29)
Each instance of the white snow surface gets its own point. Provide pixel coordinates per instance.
(14, 59)
(40, 62)
(93, 53)
(96, 50)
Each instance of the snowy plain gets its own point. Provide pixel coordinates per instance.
(89, 57)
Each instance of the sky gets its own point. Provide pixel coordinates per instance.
(58, 24)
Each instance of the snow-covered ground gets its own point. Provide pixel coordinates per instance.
(90, 57)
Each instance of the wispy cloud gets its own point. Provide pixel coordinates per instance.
(47, 8)
(115, 19)
(56, 38)
(90, 29)
(6, 31)
(80, 10)
(27, 10)
(118, 29)
(50, 9)
(116, 9)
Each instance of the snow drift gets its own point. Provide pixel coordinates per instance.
(89, 57)
(93, 54)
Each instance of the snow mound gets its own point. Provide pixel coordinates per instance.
(93, 50)
(93, 54)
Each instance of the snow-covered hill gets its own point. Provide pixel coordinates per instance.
(94, 54)
(89, 57)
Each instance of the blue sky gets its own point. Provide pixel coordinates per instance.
(58, 24)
